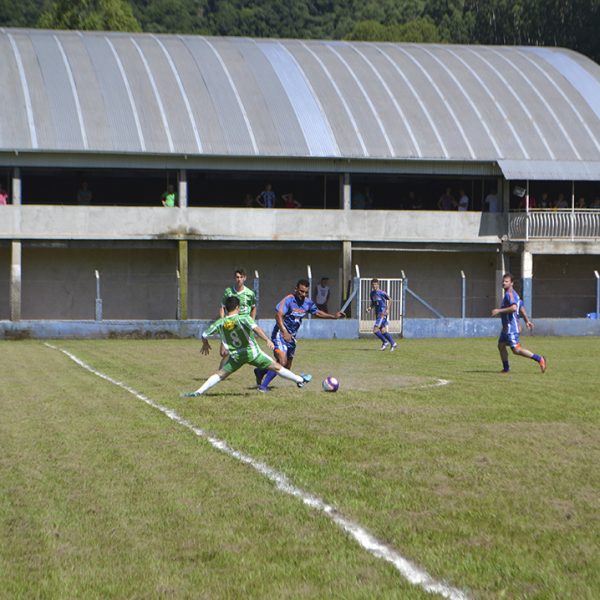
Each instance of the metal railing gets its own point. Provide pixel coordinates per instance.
(579, 224)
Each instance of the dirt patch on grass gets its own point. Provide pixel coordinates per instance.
(360, 383)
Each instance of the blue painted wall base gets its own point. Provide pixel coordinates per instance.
(311, 329)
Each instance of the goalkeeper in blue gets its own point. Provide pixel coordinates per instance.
(509, 336)
(380, 301)
(237, 333)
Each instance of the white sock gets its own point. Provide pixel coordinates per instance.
(287, 374)
(210, 382)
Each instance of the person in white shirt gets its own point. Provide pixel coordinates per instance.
(322, 294)
(463, 202)
(491, 201)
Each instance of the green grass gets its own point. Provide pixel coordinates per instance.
(489, 483)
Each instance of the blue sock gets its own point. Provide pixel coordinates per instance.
(267, 379)
(505, 365)
(380, 336)
(389, 338)
(536, 357)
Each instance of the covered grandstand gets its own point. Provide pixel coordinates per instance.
(367, 136)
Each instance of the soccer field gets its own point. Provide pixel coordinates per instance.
(487, 483)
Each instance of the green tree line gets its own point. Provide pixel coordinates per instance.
(572, 24)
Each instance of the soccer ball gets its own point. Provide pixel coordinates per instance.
(330, 384)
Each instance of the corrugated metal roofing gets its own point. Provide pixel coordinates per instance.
(238, 97)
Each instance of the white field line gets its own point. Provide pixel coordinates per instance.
(413, 573)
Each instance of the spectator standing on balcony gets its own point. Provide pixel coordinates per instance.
(447, 201)
(168, 197)
(267, 197)
(581, 203)
(463, 201)
(509, 313)
(3, 196)
(414, 202)
(248, 200)
(595, 202)
(491, 202)
(289, 201)
(523, 202)
(561, 202)
(359, 201)
(544, 201)
(84, 194)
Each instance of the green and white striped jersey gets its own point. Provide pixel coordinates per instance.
(246, 297)
(236, 333)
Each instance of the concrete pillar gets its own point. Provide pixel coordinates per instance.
(346, 268)
(182, 189)
(501, 268)
(504, 194)
(182, 256)
(15, 282)
(16, 187)
(345, 191)
(527, 276)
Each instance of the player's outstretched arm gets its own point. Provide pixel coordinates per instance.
(259, 331)
(325, 315)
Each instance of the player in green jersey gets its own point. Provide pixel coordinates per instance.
(237, 333)
(247, 300)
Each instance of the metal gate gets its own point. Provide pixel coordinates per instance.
(393, 287)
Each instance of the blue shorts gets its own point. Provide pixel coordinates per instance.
(510, 339)
(280, 344)
(381, 321)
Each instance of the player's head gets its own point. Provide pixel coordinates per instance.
(302, 289)
(240, 276)
(507, 281)
(231, 304)
(375, 283)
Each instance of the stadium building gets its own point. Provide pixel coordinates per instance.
(367, 137)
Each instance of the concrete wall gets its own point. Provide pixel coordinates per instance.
(435, 276)
(564, 285)
(134, 223)
(311, 329)
(4, 281)
(59, 283)
(211, 271)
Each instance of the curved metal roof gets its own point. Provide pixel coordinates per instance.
(192, 95)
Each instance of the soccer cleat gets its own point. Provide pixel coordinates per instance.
(543, 364)
(505, 371)
(189, 395)
(393, 347)
(384, 346)
(259, 374)
(262, 390)
(305, 379)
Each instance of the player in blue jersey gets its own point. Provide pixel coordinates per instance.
(288, 318)
(509, 313)
(380, 301)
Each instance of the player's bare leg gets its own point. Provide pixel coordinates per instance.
(519, 351)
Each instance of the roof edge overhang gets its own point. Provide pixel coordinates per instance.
(110, 160)
(550, 170)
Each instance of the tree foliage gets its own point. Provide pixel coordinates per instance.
(573, 24)
(103, 15)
